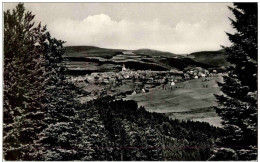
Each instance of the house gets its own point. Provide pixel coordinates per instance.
(126, 75)
(186, 76)
(90, 79)
(134, 93)
(144, 90)
(196, 77)
(112, 80)
(106, 80)
(172, 83)
(206, 72)
(201, 74)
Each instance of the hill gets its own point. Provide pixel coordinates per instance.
(90, 51)
(193, 99)
(182, 63)
(154, 53)
(128, 132)
(214, 58)
(87, 59)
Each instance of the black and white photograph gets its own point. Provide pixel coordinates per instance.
(130, 81)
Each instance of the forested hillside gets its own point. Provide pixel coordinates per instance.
(136, 134)
(213, 58)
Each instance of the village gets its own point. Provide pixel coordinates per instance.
(132, 82)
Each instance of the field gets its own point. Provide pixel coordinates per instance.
(192, 99)
(143, 59)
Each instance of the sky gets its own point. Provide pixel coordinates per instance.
(180, 28)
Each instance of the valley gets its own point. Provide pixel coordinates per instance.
(179, 86)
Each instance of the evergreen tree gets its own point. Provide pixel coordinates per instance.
(40, 106)
(238, 104)
(23, 88)
(61, 140)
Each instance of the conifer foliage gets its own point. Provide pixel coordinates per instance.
(238, 104)
(40, 106)
(23, 89)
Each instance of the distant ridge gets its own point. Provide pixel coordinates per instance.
(90, 47)
(212, 58)
(90, 51)
(215, 58)
(152, 52)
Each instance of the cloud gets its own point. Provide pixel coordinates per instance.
(100, 30)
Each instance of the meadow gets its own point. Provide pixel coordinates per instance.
(193, 99)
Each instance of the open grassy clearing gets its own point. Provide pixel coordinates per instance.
(186, 100)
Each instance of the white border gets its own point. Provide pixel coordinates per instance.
(99, 1)
(132, 1)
